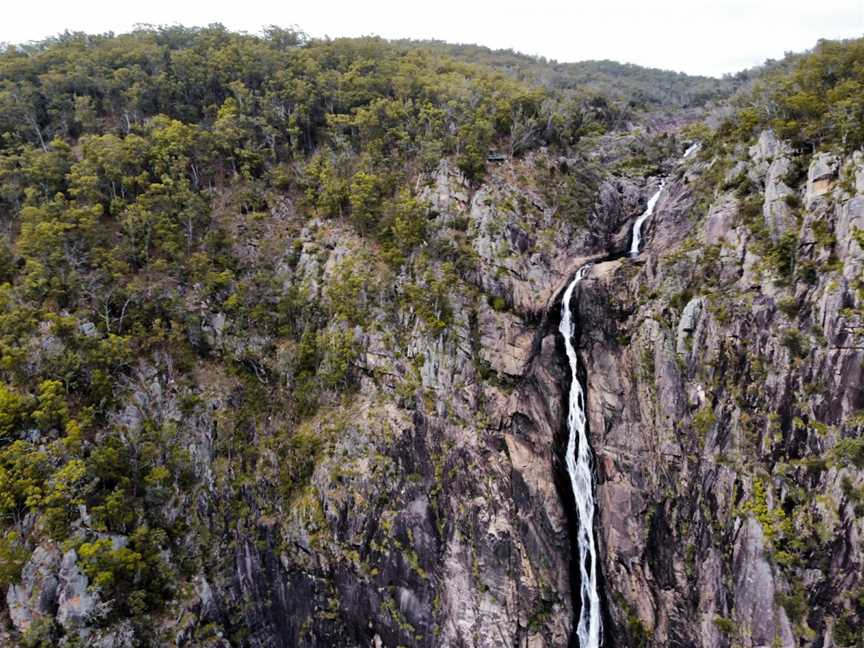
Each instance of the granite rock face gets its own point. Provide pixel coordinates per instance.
(722, 392)
(35, 596)
(76, 604)
(721, 410)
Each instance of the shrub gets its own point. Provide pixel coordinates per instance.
(849, 451)
(847, 631)
(789, 307)
(703, 421)
(497, 303)
(53, 409)
(13, 556)
(135, 576)
(795, 342)
(793, 201)
(724, 625)
(11, 410)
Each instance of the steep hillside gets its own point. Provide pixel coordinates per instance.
(281, 361)
(252, 292)
(724, 381)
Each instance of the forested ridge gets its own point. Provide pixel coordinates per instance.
(633, 85)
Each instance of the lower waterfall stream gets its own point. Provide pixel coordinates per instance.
(580, 469)
(579, 458)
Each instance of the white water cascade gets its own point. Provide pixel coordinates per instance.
(580, 469)
(637, 226)
(652, 202)
(578, 457)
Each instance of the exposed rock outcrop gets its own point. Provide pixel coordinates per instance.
(431, 508)
(35, 597)
(719, 478)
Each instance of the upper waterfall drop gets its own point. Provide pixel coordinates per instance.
(580, 469)
(637, 226)
(652, 202)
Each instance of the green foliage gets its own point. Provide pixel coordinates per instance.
(13, 556)
(366, 197)
(795, 603)
(726, 626)
(323, 364)
(638, 633)
(42, 633)
(498, 303)
(849, 452)
(743, 125)
(52, 410)
(23, 470)
(135, 575)
(637, 86)
(696, 131)
(407, 227)
(795, 342)
(64, 493)
(298, 458)
(340, 352)
(815, 100)
(430, 300)
(12, 408)
(847, 631)
(350, 289)
(774, 522)
(782, 255)
(570, 190)
(789, 307)
(703, 421)
(647, 364)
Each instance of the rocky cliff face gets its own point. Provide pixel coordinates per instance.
(431, 508)
(422, 510)
(723, 385)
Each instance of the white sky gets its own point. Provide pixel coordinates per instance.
(696, 36)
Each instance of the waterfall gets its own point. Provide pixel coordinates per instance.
(692, 149)
(579, 457)
(637, 226)
(580, 469)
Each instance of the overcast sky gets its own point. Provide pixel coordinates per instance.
(696, 36)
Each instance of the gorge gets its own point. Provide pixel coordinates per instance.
(354, 342)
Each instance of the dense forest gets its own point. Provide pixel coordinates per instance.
(202, 234)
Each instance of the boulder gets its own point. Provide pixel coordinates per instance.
(687, 324)
(76, 604)
(35, 596)
(821, 176)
